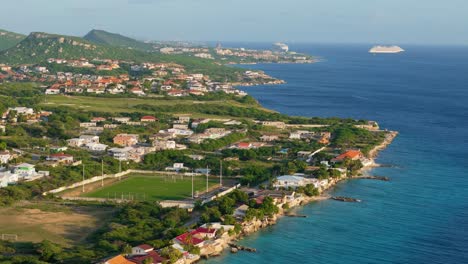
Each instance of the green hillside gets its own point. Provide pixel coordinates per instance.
(106, 38)
(9, 39)
(38, 47)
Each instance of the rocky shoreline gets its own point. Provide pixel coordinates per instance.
(255, 225)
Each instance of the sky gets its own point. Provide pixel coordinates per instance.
(313, 21)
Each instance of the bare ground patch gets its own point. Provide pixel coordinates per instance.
(61, 224)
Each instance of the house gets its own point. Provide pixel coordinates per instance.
(244, 145)
(96, 147)
(350, 154)
(240, 211)
(25, 170)
(177, 167)
(57, 149)
(61, 158)
(191, 238)
(126, 140)
(269, 138)
(277, 124)
(184, 119)
(148, 119)
(137, 91)
(164, 144)
(120, 153)
(205, 232)
(142, 249)
(89, 139)
(98, 119)
(151, 257)
(75, 142)
(52, 91)
(292, 181)
(83, 140)
(5, 156)
(7, 178)
(88, 124)
(119, 259)
(122, 120)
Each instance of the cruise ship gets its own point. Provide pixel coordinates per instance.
(281, 47)
(386, 49)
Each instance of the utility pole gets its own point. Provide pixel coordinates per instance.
(102, 172)
(120, 168)
(207, 180)
(221, 173)
(192, 186)
(82, 186)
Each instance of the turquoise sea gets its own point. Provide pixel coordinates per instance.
(421, 215)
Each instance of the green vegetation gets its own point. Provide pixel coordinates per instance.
(132, 224)
(153, 187)
(106, 38)
(346, 136)
(9, 39)
(38, 47)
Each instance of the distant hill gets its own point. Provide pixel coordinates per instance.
(113, 39)
(9, 39)
(37, 47)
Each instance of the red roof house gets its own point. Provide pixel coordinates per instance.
(153, 255)
(148, 119)
(350, 154)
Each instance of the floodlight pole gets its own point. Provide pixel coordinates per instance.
(82, 186)
(102, 172)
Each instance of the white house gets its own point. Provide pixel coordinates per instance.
(142, 249)
(291, 181)
(7, 178)
(5, 156)
(120, 153)
(25, 170)
(177, 167)
(96, 147)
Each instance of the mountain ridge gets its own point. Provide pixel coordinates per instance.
(9, 39)
(114, 39)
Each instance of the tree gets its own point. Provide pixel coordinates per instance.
(3, 145)
(48, 250)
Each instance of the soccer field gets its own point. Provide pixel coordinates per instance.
(153, 188)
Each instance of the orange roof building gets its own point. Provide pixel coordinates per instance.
(350, 154)
(118, 260)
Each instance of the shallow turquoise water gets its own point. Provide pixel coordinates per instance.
(421, 216)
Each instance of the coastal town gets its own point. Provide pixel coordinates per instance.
(175, 163)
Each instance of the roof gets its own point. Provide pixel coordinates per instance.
(61, 155)
(206, 230)
(290, 178)
(243, 144)
(24, 165)
(188, 238)
(152, 254)
(149, 118)
(145, 247)
(118, 260)
(351, 154)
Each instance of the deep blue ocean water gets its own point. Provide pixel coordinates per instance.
(421, 215)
